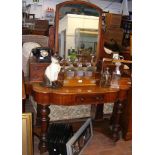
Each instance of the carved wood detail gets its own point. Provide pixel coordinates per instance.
(44, 126)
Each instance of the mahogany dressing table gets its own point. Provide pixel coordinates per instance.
(78, 96)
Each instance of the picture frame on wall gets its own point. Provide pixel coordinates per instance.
(81, 138)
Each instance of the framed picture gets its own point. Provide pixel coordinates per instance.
(27, 145)
(80, 139)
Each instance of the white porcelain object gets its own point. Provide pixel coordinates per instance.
(53, 70)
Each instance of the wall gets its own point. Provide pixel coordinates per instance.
(36, 8)
(40, 8)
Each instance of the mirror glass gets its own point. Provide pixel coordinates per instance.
(78, 30)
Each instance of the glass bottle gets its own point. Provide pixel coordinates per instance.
(105, 78)
(115, 80)
(116, 76)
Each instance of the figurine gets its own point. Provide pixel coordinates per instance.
(51, 73)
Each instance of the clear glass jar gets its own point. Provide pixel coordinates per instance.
(89, 70)
(80, 71)
(70, 71)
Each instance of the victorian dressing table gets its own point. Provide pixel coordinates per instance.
(78, 96)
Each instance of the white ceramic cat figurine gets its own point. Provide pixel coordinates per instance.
(53, 70)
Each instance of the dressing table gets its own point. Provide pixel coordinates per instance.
(77, 95)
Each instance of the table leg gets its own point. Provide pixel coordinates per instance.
(97, 112)
(38, 118)
(113, 114)
(116, 120)
(44, 110)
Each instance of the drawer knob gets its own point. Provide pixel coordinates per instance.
(99, 98)
(81, 99)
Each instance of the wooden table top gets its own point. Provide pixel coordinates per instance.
(124, 84)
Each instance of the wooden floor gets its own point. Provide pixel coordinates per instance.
(100, 144)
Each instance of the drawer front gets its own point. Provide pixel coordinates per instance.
(87, 99)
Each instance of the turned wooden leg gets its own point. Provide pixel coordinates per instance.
(38, 118)
(97, 112)
(44, 126)
(113, 114)
(116, 120)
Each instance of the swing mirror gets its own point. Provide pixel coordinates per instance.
(78, 28)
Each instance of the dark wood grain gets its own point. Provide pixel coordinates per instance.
(51, 41)
(126, 118)
(37, 70)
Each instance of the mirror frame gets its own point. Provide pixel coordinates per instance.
(100, 50)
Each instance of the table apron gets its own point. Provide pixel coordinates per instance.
(76, 99)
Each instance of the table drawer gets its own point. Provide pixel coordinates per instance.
(86, 99)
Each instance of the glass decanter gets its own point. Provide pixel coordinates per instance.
(116, 76)
(115, 80)
(105, 78)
